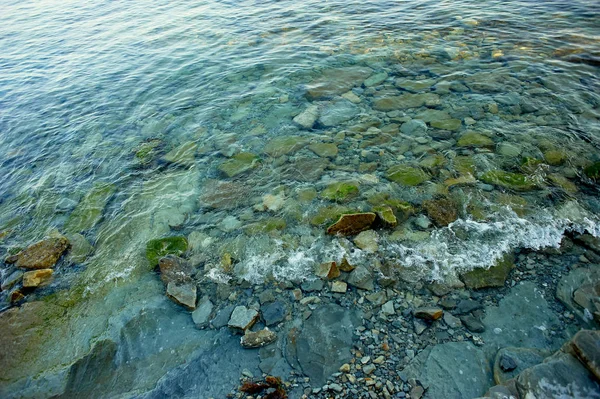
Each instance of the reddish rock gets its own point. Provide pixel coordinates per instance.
(352, 224)
(328, 270)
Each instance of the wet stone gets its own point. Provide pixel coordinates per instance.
(174, 269)
(280, 146)
(308, 117)
(367, 241)
(43, 254)
(441, 211)
(203, 312)
(406, 175)
(585, 345)
(375, 79)
(495, 276)
(258, 339)
(90, 209)
(158, 248)
(472, 323)
(10, 280)
(361, 278)
(183, 155)
(339, 287)
(239, 164)
(447, 124)
(327, 270)
(273, 313)
(509, 362)
(429, 313)
(351, 224)
(474, 139)
(222, 317)
(337, 81)
(337, 112)
(35, 278)
(324, 149)
(182, 293)
(414, 127)
(242, 318)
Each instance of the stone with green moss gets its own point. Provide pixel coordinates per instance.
(183, 155)
(510, 180)
(284, 145)
(324, 149)
(518, 204)
(386, 216)
(265, 226)
(433, 161)
(530, 164)
(156, 249)
(593, 171)
(307, 194)
(89, 210)
(447, 124)
(239, 164)
(328, 214)
(495, 276)
(555, 157)
(340, 191)
(147, 151)
(464, 165)
(442, 211)
(402, 209)
(407, 175)
(474, 139)
(563, 183)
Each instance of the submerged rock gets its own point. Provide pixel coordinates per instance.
(36, 278)
(447, 124)
(324, 149)
(405, 101)
(183, 293)
(89, 211)
(156, 249)
(340, 191)
(308, 117)
(239, 164)
(201, 316)
(585, 345)
(441, 211)
(593, 171)
(474, 139)
(336, 81)
(284, 145)
(80, 248)
(258, 339)
(361, 278)
(367, 241)
(375, 79)
(513, 181)
(495, 276)
(183, 155)
(407, 175)
(174, 269)
(337, 112)
(509, 362)
(386, 216)
(429, 313)
(41, 255)
(328, 270)
(351, 224)
(225, 194)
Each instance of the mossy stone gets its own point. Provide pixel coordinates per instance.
(407, 175)
(238, 164)
(307, 194)
(156, 249)
(89, 210)
(328, 214)
(385, 216)
(593, 171)
(447, 124)
(402, 209)
(554, 157)
(563, 183)
(529, 164)
(433, 161)
(474, 139)
(340, 191)
(513, 181)
(441, 211)
(324, 149)
(464, 165)
(184, 155)
(146, 152)
(517, 203)
(265, 226)
(495, 276)
(284, 145)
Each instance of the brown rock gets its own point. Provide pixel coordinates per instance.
(345, 266)
(352, 224)
(43, 254)
(174, 269)
(16, 296)
(441, 211)
(35, 278)
(328, 270)
(429, 313)
(258, 338)
(585, 345)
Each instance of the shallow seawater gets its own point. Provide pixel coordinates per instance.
(249, 128)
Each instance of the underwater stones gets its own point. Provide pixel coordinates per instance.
(351, 224)
(340, 191)
(238, 164)
(305, 169)
(585, 345)
(336, 81)
(182, 293)
(582, 281)
(146, 151)
(257, 339)
(461, 181)
(183, 155)
(405, 101)
(201, 316)
(337, 112)
(386, 216)
(80, 248)
(308, 117)
(562, 182)
(284, 145)
(350, 96)
(430, 314)
(339, 287)
(361, 278)
(447, 124)
(328, 214)
(367, 241)
(510, 150)
(327, 270)
(41, 255)
(430, 115)
(265, 226)
(407, 175)
(325, 150)
(555, 157)
(510, 180)
(89, 210)
(35, 278)
(242, 319)
(225, 195)
(10, 280)
(593, 171)
(474, 139)
(272, 202)
(375, 79)
(495, 276)
(324, 343)
(414, 127)
(441, 211)
(414, 86)
(156, 249)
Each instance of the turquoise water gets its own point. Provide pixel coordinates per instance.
(131, 113)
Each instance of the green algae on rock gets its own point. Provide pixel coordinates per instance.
(555, 157)
(474, 139)
(441, 211)
(510, 180)
(328, 214)
(386, 217)
(156, 249)
(340, 191)
(447, 124)
(324, 149)
(239, 163)
(89, 211)
(265, 226)
(593, 171)
(336, 81)
(407, 175)
(146, 152)
(495, 276)
(284, 145)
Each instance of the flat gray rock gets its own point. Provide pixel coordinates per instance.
(337, 112)
(201, 315)
(454, 370)
(242, 318)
